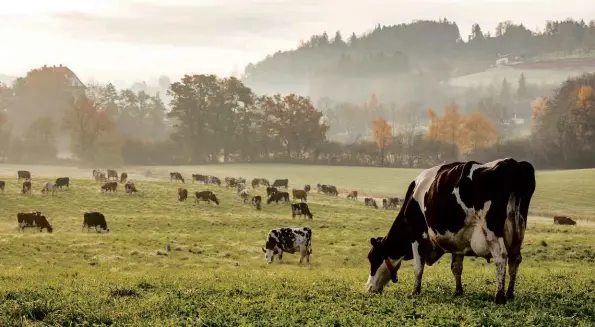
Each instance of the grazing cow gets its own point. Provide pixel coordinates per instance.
(94, 219)
(352, 195)
(245, 194)
(230, 182)
(206, 196)
(260, 182)
(271, 190)
(288, 240)
(182, 194)
(24, 174)
(200, 178)
(299, 194)
(111, 173)
(463, 208)
(130, 187)
(111, 186)
(2, 185)
(63, 181)
(307, 188)
(176, 176)
(327, 189)
(214, 180)
(49, 187)
(564, 220)
(281, 183)
(241, 180)
(278, 196)
(300, 209)
(370, 202)
(256, 201)
(240, 187)
(99, 176)
(34, 220)
(390, 203)
(123, 177)
(26, 186)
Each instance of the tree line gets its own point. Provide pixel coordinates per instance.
(217, 120)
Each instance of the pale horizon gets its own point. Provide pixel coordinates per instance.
(127, 41)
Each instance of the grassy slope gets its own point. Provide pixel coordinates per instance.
(216, 274)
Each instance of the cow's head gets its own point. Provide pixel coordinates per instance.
(269, 254)
(382, 267)
(49, 228)
(213, 198)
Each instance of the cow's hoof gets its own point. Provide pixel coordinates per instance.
(458, 292)
(413, 294)
(500, 298)
(510, 295)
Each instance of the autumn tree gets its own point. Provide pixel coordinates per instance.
(448, 129)
(479, 133)
(383, 136)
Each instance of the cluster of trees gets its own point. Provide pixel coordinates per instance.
(406, 56)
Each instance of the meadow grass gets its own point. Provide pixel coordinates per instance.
(216, 275)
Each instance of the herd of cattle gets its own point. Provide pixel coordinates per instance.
(461, 208)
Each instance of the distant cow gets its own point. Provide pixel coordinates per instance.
(24, 174)
(245, 194)
(256, 201)
(307, 188)
(49, 187)
(214, 180)
(327, 189)
(299, 194)
(99, 175)
(278, 196)
(26, 186)
(111, 173)
(352, 195)
(300, 209)
(2, 185)
(281, 183)
(260, 182)
(110, 186)
(130, 187)
(207, 196)
(176, 176)
(230, 182)
(200, 178)
(33, 220)
(240, 187)
(182, 194)
(390, 203)
(370, 202)
(564, 220)
(63, 181)
(241, 180)
(123, 178)
(94, 219)
(288, 240)
(271, 190)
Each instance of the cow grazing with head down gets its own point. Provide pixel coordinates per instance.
(299, 194)
(463, 208)
(49, 187)
(99, 175)
(245, 194)
(256, 201)
(182, 194)
(176, 176)
(256, 182)
(370, 202)
(207, 196)
(111, 173)
(62, 181)
(214, 180)
(26, 187)
(130, 187)
(110, 186)
(230, 182)
(200, 178)
(33, 220)
(281, 183)
(24, 174)
(300, 209)
(352, 195)
(271, 190)
(123, 178)
(278, 196)
(94, 219)
(563, 220)
(390, 203)
(288, 240)
(240, 187)
(327, 189)
(2, 186)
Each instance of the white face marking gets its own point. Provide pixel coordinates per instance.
(424, 235)
(377, 282)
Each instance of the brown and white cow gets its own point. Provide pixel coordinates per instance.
(564, 220)
(462, 208)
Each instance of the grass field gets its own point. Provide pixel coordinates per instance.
(216, 275)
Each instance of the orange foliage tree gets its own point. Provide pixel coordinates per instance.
(383, 136)
(449, 128)
(479, 133)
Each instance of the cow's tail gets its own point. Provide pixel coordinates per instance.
(520, 197)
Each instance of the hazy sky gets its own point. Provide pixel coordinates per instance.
(130, 40)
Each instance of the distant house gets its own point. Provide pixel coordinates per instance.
(509, 59)
(73, 80)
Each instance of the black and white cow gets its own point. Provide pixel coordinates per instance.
(33, 220)
(94, 219)
(288, 240)
(462, 208)
(300, 209)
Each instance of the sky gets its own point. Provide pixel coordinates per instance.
(124, 41)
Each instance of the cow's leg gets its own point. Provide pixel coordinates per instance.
(513, 265)
(418, 266)
(304, 254)
(498, 250)
(280, 255)
(456, 267)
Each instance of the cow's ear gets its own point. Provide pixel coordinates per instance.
(263, 250)
(373, 241)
